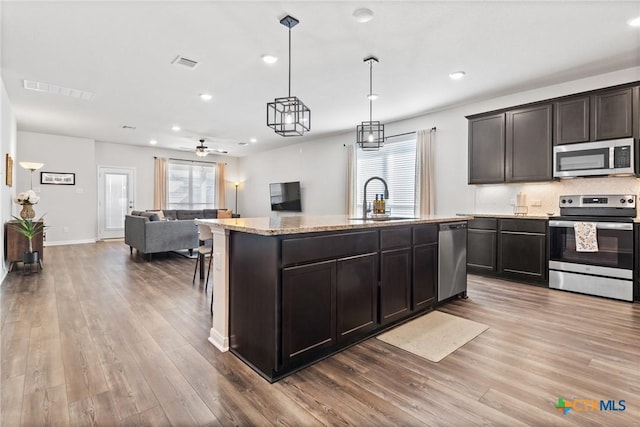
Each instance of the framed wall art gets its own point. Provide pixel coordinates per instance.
(8, 168)
(58, 178)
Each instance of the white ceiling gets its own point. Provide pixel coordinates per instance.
(122, 52)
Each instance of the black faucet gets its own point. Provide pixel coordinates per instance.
(364, 203)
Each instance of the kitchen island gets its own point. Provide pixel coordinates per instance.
(291, 290)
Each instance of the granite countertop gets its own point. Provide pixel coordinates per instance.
(272, 226)
(506, 216)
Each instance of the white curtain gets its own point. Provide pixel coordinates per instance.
(424, 203)
(160, 184)
(352, 181)
(221, 192)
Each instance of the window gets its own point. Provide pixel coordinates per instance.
(396, 164)
(191, 185)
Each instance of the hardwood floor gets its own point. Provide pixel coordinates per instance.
(103, 338)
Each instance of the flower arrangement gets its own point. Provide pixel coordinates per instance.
(27, 198)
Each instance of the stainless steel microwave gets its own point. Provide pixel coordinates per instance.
(600, 158)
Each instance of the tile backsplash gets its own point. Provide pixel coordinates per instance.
(497, 198)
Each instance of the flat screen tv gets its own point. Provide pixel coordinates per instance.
(285, 196)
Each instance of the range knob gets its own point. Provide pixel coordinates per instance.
(630, 200)
(570, 201)
(563, 201)
(623, 201)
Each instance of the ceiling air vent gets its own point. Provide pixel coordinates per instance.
(185, 62)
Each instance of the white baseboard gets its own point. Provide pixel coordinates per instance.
(218, 341)
(69, 242)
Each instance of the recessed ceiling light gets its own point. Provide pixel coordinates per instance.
(457, 75)
(153, 142)
(253, 140)
(243, 143)
(206, 96)
(175, 128)
(363, 15)
(635, 22)
(221, 151)
(128, 127)
(373, 96)
(269, 59)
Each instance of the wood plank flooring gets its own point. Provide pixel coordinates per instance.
(100, 337)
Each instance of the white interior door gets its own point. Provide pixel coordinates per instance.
(116, 198)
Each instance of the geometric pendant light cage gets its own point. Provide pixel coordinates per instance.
(288, 116)
(370, 134)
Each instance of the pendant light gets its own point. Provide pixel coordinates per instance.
(370, 135)
(289, 116)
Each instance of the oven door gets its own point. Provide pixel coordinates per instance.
(615, 246)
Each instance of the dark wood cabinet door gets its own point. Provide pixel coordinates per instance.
(357, 296)
(482, 250)
(308, 310)
(486, 149)
(425, 276)
(395, 284)
(612, 114)
(572, 120)
(523, 254)
(529, 140)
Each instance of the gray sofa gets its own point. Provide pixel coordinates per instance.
(149, 233)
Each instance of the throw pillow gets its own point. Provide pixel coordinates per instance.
(159, 213)
(152, 216)
(222, 213)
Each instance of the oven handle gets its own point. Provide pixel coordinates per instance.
(600, 225)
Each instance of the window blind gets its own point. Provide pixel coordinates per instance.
(396, 164)
(190, 185)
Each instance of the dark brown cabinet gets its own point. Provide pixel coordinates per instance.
(486, 149)
(482, 241)
(425, 267)
(16, 244)
(511, 147)
(612, 115)
(356, 296)
(516, 144)
(523, 249)
(425, 276)
(395, 284)
(508, 248)
(294, 299)
(308, 309)
(529, 141)
(395, 273)
(572, 120)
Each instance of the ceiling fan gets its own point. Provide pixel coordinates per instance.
(202, 150)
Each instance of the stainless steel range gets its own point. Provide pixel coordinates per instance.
(606, 271)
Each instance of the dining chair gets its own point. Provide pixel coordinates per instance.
(204, 250)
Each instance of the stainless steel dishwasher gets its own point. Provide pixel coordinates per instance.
(452, 260)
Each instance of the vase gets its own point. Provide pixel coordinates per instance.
(27, 211)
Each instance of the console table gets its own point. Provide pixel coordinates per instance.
(15, 244)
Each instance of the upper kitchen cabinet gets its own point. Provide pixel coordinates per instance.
(572, 120)
(486, 149)
(595, 116)
(612, 115)
(529, 144)
(511, 147)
